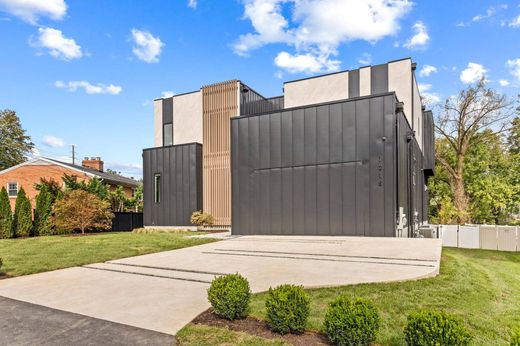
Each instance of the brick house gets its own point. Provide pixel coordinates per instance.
(29, 173)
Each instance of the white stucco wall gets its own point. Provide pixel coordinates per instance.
(417, 114)
(187, 118)
(400, 81)
(365, 85)
(157, 123)
(327, 88)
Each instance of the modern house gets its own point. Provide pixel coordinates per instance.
(347, 153)
(29, 173)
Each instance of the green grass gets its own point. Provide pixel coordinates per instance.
(39, 254)
(198, 335)
(482, 287)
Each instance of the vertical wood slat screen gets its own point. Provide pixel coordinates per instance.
(220, 103)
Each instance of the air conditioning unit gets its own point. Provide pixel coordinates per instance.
(429, 232)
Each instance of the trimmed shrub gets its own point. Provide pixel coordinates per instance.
(287, 308)
(198, 218)
(351, 322)
(42, 212)
(22, 215)
(6, 215)
(515, 338)
(436, 328)
(229, 296)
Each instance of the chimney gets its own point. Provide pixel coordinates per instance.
(93, 162)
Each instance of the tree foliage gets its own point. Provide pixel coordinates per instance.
(490, 177)
(22, 223)
(42, 212)
(461, 125)
(53, 188)
(6, 215)
(14, 143)
(81, 210)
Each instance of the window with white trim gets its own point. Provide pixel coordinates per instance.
(12, 189)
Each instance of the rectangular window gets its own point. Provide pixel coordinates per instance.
(168, 134)
(12, 189)
(157, 188)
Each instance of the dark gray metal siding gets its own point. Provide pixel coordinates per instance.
(180, 167)
(318, 170)
(252, 102)
(167, 110)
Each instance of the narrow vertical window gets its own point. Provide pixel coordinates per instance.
(167, 134)
(157, 188)
(12, 189)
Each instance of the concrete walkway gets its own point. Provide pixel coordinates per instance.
(164, 291)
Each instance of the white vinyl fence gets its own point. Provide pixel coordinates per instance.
(502, 238)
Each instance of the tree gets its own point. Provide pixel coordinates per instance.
(14, 143)
(460, 124)
(6, 215)
(81, 210)
(94, 186)
(22, 215)
(53, 188)
(135, 203)
(42, 212)
(118, 199)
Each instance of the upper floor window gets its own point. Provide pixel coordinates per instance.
(12, 189)
(168, 134)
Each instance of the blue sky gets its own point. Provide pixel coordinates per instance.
(86, 72)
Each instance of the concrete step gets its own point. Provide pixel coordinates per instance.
(160, 272)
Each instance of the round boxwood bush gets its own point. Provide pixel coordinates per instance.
(351, 322)
(515, 338)
(437, 328)
(229, 296)
(287, 308)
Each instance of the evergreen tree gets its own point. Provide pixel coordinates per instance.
(6, 215)
(22, 215)
(14, 143)
(42, 212)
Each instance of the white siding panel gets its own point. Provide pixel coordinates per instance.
(365, 87)
(158, 123)
(400, 81)
(327, 88)
(187, 118)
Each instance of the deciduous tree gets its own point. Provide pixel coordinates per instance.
(461, 124)
(81, 210)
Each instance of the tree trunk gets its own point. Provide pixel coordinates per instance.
(460, 199)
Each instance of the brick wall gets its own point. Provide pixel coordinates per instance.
(27, 176)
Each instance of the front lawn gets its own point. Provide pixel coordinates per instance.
(39, 254)
(482, 287)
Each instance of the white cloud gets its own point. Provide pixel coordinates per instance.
(299, 63)
(53, 142)
(57, 44)
(503, 82)
(428, 97)
(515, 23)
(167, 93)
(473, 73)
(316, 28)
(192, 4)
(89, 88)
(514, 66)
(427, 70)
(146, 46)
(31, 10)
(365, 59)
(127, 169)
(489, 13)
(420, 39)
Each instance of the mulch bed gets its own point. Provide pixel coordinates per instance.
(259, 328)
(4, 276)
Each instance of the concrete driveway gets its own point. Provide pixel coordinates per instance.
(164, 291)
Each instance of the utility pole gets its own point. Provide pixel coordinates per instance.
(73, 154)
